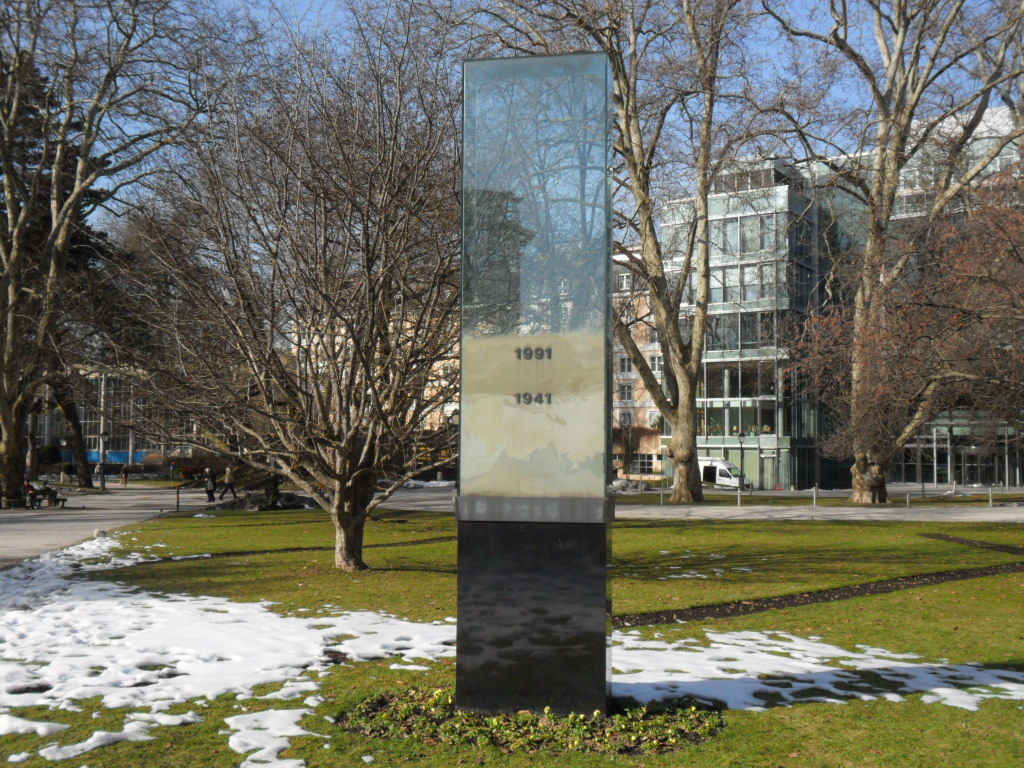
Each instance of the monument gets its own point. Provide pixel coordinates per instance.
(533, 511)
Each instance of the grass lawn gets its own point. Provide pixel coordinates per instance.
(656, 565)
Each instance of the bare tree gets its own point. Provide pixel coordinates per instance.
(90, 93)
(677, 76)
(910, 91)
(303, 270)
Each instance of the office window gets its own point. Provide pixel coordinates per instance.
(750, 327)
(767, 321)
(729, 330)
(643, 463)
(751, 283)
(624, 281)
(625, 392)
(625, 365)
(657, 363)
(625, 418)
(723, 332)
(768, 235)
(732, 284)
(750, 235)
(717, 286)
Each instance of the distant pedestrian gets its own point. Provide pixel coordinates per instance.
(210, 483)
(124, 476)
(229, 483)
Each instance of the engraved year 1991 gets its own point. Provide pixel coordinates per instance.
(533, 353)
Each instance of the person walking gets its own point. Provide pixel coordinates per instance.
(124, 476)
(210, 483)
(229, 483)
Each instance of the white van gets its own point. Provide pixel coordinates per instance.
(717, 471)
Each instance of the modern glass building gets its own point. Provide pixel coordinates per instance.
(773, 228)
(767, 234)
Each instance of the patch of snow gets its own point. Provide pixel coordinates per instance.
(266, 735)
(10, 724)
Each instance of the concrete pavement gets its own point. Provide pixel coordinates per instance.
(440, 500)
(26, 533)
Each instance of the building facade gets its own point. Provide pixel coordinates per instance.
(767, 236)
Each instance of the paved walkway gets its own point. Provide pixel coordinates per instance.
(26, 533)
(440, 500)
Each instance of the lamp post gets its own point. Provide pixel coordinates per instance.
(742, 476)
(63, 450)
(103, 459)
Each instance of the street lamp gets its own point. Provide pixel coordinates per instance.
(63, 462)
(742, 476)
(103, 459)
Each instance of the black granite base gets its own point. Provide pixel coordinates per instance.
(533, 617)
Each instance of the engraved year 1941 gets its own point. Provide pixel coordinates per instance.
(533, 398)
(533, 353)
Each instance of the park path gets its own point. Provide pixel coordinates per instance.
(26, 533)
(440, 499)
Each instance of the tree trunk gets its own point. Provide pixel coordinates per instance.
(688, 488)
(12, 466)
(348, 546)
(868, 481)
(349, 516)
(76, 439)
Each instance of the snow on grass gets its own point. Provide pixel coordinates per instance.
(64, 640)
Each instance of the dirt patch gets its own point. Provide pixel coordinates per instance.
(286, 550)
(975, 543)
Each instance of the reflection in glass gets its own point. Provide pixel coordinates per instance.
(536, 262)
(536, 196)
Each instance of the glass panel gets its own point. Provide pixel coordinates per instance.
(535, 263)
(748, 423)
(732, 380)
(728, 326)
(732, 418)
(716, 234)
(750, 238)
(716, 380)
(765, 379)
(732, 284)
(751, 283)
(768, 236)
(767, 320)
(749, 326)
(716, 421)
(732, 237)
(717, 286)
(781, 280)
(748, 378)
